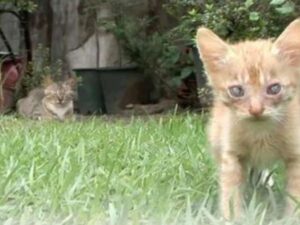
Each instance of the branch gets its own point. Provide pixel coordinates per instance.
(11, 12)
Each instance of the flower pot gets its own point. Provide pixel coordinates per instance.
(90, 93)
(10, 75)
(110, 89)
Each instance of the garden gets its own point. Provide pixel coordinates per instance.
(104, 106)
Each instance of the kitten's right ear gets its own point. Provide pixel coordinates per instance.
(287, 46)
(212, 49)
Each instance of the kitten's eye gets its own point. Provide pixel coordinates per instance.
(273, 89)
(237, 91)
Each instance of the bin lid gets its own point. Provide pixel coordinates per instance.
(3, 53)
(127, 67)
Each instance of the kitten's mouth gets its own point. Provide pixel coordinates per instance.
(258, 118)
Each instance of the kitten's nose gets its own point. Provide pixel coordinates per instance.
(60, 100)
(256, 110)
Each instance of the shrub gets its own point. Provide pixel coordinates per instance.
(41, 68)
(232, 19)
(153, 51)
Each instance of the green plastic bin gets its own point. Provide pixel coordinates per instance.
(102, 89)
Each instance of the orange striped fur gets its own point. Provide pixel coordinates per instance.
(259, 127)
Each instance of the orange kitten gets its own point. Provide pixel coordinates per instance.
(256, 113)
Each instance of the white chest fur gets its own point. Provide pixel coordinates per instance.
(260, 144)
(60, 111)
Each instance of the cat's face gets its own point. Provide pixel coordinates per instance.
(60, 94)
(256, 79)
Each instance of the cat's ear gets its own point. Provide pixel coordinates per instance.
(47, 81)
(287, 46)
(71, 81)
(212, 49)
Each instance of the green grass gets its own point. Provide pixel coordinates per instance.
(132, 171)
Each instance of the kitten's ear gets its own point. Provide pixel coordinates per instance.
(71, 81)
(212, 49)
(47, 81)
(287, 45)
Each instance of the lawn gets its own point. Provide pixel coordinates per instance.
(155, 170)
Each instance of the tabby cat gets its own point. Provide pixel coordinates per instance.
(54, 101)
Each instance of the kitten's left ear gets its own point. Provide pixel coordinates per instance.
(212, 49)
(287, 45)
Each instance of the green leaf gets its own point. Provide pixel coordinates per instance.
(192, 12)
(185, 72)
(286, 8)
(175, 81)
(174, 58)
(277, 2)
(254, 16)
(249, 3)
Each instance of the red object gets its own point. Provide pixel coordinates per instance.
(10, 74)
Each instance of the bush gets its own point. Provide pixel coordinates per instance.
(41, 68)
(153, 51)
(232, 19)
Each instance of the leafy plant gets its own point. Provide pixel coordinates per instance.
(161, 53)
(21, 5)
(232, 19)
(40, 68)
(153, 52)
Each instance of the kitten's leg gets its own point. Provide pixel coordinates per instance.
(231, 180)
(293, 186)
